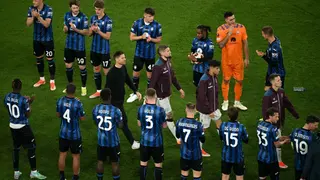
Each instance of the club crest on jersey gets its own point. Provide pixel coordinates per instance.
(151, 28)
(238, 32)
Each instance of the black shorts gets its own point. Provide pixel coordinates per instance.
(267, 83)
(238, 168)
(75, 146)
(195, 165)
(70, 55)
(112, 152)
(23, 137)
(138, 64)
(155, 152)
(266, 169)
(40, 47)
(97, 59)
(298, 174)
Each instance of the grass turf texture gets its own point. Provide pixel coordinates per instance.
(295, 23)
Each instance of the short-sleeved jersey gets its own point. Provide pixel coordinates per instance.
(40, 33)
(151, 118)
(99, 44)
(301, 140)
(70, 110)
(107, 118)
(146, 49)
(17, 106)
(204, 47)
(267, 135)
(75, 41)
(232, 52)
(233, 134)
(190, 131)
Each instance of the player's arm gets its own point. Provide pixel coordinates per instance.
(106, 35)
(245, 136)
(47, 21)
(202, 138)
(159, 35)
(85, 30)
(209, 54)
(27, 108)
(82, 113)
(223, 36)
(65, 24)
(134, 32)
(177, 130)
(245, 42)
(265, 105)
(287, 104)
(119, 119)
(138, 117)
(163, 118)
(276, 140)
(30, 18)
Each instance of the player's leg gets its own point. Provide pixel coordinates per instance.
(267, 83)
(238, 73)
(115, 159)
(101, 156)
(69, 56)
(49, 46)
(239, 170)
(282, 165)
(38, 51)
(158, 157)
(185, 167)
(196, 78)
(274, 171)
(225, 170)
(149, 67)
(96, 62)
(63, 148)
(206, 121)
(165, 104)
(106, 63)
(217, 119)
(137, 66)
(263, 170)
(16, 137)
(76, 149)
(197, 169)
(144, 158)
(81, 58)
(226, 74)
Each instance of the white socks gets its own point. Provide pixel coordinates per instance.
(172, 128)
(279, 154)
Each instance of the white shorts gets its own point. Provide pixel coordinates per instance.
(165, 104)
(205, 119)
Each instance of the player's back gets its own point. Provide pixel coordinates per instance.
(151, 118)
(267, 135)
(107, 118)
(233, 134)
(17, 106)
(70, 110)
(301, 140)
(190, 132)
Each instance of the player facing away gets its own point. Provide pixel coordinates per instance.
(232, 134)
(202, 50)
(268, 142)
(19, 109)
(107, 118)
(191, 133)
(70, 111)
(301, 139)
(208, 98)
(151, 119)
(100, 30)
(162, 78)
(76, 28)
(40, 15)
(276, 97)
(273, 56)
(147, 32)
(233, 40)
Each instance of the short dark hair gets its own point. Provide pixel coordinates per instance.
(16, 84)
(99, 4)
(233, 113)
(150, 92)
(191, 106)
(117, 54)
(105, 94)
(74, 2)
(71, 88)
(312, 119)
(205, 29)
(161, 48)
(273, 76)
(267, 30)
(150, 11)
(271, 111)
(228, 14)
(214, 63)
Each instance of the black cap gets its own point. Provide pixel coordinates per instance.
(214, 63)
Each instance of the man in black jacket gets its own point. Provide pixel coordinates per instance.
(116, 79)
(312, 164)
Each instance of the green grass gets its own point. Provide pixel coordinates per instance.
(296, 23)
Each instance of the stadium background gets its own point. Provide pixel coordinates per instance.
(296, 23)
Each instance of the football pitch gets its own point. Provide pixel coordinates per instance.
(296, 23)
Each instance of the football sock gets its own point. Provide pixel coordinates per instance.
(75, 177)
(116, 177)
(279, 154)
(135, 81)
(197, 178)
(172, 127)
(184, 177)
(16, 159)
(52, 68)
(84, 75)
(32, 157)
(97, 80)
(238, 90)
(62, 177)
(40, 66)
(225, 90)
(69, 72)
(100, 176)
(148, 82)
(201, 145)
(158, 173)
(143, 172)
(218, 131)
